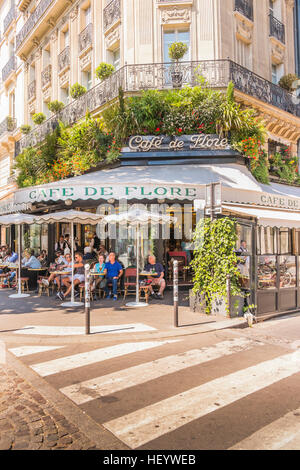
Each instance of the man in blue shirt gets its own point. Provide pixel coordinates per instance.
(158, 278)
(114, 272)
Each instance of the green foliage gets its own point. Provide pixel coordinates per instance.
(284, 165)
(214, 259)
(55, 106)
(104, 71)
(39, 118)
(177, 50)
(288, 82)
(77, 90)
(25, 129)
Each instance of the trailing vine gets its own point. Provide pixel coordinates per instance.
(214, 259)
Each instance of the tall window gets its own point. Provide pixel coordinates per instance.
(275, 9)
(66, 39)
(12, 100)
(4, 170)
(244, 54)
(88, 15)
(176, 35)
(87, 79)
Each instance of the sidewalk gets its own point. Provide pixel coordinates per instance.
(34, 318)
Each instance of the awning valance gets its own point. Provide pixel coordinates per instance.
(268, 218)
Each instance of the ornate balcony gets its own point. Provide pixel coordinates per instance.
(8, 125)
(11, 15)
(135, 78)
(245, 7)
(277, 29)
(111, 14)
(46, 76)
(9, 67)
(32, 21)
(85, 38)
(31, 91)
(64, 59)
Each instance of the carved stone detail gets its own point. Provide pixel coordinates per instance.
(176, 15)
(113, 38)
(244, 30)
(277, 52)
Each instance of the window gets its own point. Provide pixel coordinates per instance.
(4, 170)
(285, 241)
(244, 54)
(32, 73)
(46, 109)
(12, 100)
(46, 57)
(66, 39)
(274, 74)
(116, 59)
(176, 35)
(88, 16)
(266, 241)
(87, 79)
(64, 95)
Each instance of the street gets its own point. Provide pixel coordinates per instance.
(186, 388)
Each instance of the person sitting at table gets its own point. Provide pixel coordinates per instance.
(78, 276)
(114, 272)
(43, 258)
(66, 265)
(12, 257)
(158, 278)
(101, 269)
(31, 261)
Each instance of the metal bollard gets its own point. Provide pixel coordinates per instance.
(175, 292)
(87, 302)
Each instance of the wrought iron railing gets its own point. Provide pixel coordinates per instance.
(32, 21)
(111, 13)
(277, 29)
(9, 67)
(64, 59)
(11, 15)
(31, 90)
(46, 76)
(7, 125)
(85, 38)
(135, 78)
(245, 7)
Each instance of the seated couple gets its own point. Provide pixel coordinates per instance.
(112, 270)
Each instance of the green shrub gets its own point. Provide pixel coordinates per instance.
(177, 50)
(288, 82)
(55, 106)
(25, 129)
(77, 90)
(38, 118)
(104, 71)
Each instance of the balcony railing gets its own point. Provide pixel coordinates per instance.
(277, 29)
(9, 67)
(31, 90)
(46, 76)
(135, 78)
(32, 21)
(85, 38)
(8, 125)
(64, 59)
(11, 15)
(111, 13)
(245, 7)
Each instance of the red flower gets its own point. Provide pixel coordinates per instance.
(179, 130)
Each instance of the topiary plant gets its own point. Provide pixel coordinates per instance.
(104, 71)
(55, 106)
(77, 90)
(177, 50)
(38, 118)
(25, 129)
(289, 82)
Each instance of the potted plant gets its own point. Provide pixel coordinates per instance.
(25, 129)
(55, 106)
(104, 70)
(77, 90)
(289, 82)
(177, 50)
(38, 118)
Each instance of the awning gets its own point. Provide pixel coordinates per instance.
(169, 182)
(268, 218)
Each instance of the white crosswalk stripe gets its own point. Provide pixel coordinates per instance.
(85, 391)
(97, 355)
(27, 350)
(65, 330)
(151, 422)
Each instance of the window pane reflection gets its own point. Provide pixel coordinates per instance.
(244, 268)
(288, 276)
(267, 272)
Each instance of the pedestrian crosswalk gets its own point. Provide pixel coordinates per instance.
(114, 385)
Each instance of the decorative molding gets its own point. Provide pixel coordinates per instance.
(85, 60)
(64, 79)
(113, 38)
(244, 29)
(277, 51)
(74, 13)
(176, 15)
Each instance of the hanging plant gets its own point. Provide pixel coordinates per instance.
(214, 259)
(104, 70)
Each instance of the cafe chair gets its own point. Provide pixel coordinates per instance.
(129, 282)
(24, 284)
(81, 288)
(42, 288)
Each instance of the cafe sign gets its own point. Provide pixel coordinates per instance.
(163, 143)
